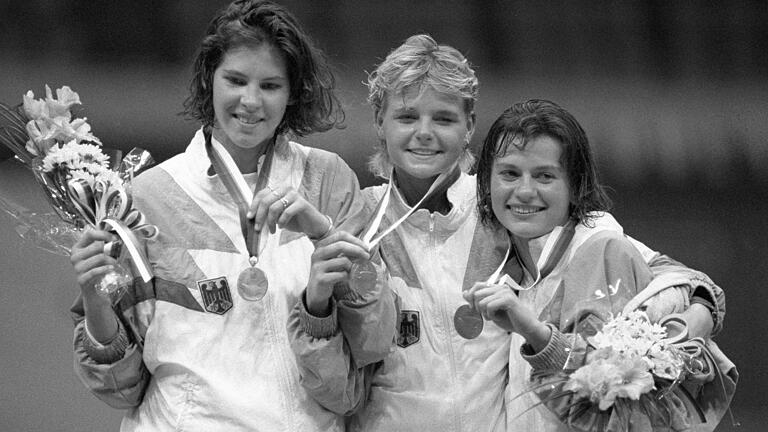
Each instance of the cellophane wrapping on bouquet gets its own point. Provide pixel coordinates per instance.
(625, 373)
(78, 182)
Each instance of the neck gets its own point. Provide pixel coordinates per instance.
(246, 159)
(529, 250)
(413, 190)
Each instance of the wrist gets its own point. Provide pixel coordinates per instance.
(319, 306)
(537, 335)
(323, 230)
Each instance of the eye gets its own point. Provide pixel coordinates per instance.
(237, 81)
(546, 176)
(406, 117)
(445, 120)
(271, 86)
(509, 174)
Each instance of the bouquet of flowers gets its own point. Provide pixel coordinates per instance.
(625, 373)
(68, 162)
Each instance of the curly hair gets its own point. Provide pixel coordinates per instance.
(253, 23)
(521, 123)
(420, 63)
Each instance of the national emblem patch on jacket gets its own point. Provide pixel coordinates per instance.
(216, 295)
(410, 328)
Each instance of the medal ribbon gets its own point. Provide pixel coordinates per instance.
(553, 251)
(441, 183)
(108, 206)
(234, 182)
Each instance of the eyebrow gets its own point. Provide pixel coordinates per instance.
(270, 78)
(444, 112)
(536, 168)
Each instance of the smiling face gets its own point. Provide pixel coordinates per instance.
(425, 133)
(251, 91)
(530, 194)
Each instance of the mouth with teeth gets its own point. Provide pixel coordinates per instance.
(247, 120)
(423, 152)
(525, 210)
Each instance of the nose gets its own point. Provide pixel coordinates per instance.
(251, 97)
(526, 189)
(424, 130)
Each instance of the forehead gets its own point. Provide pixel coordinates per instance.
(263, 59)
(540, 150)
(424, 98)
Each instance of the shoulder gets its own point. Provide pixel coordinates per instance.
(607, 244)
(316, 157)
(373, 194)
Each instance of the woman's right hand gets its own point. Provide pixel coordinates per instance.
(90, 263)
(89, 260)
(331, 263)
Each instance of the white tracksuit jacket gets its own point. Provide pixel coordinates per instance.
(231, 371)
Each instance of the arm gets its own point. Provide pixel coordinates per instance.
(106, 362)
(693, 294)
(368, 320)
(324, 360)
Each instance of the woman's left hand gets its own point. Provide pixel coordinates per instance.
(288, 209)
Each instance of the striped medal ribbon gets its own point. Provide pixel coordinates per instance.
(252, 283)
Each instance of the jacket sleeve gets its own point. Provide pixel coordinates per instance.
(121, 383)
(326, 369)
(695, 287)
(367, 320)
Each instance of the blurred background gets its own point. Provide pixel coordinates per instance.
(673, 95)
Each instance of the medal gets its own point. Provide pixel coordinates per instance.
(362, 275)
(252, 283)
(468, 322)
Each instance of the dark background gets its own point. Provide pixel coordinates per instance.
(672, 94)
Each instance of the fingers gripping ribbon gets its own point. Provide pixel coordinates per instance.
(108, 206)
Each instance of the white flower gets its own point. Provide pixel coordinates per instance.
(51, 121)
(65, 99)
(109, 177)
(76, 156)
(34, 108)
(631, 334)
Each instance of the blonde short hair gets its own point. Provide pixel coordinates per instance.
(420, 63)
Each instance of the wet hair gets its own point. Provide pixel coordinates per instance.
(419, 64)
(313, 106)
(523, 122)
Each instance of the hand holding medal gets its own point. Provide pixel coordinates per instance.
(331, 263)
(497, 300)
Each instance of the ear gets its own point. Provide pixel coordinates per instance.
(471, 121)
(378, 123)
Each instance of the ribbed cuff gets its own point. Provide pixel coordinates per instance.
(343, 292)
(106, 353)
(704, 297)
(553, 356)
(318, 327)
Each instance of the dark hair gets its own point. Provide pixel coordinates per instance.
(525, 121)
(314, 106)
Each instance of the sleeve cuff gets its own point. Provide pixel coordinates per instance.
(317, 327)
(106, 353)
(553, 357)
